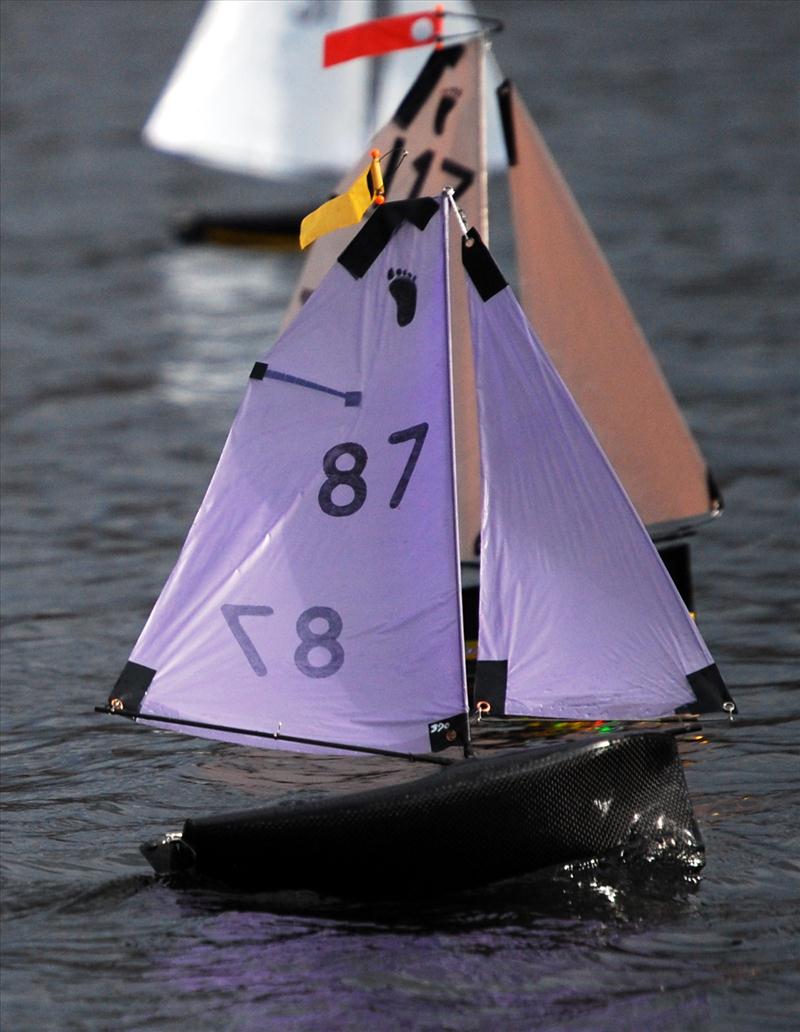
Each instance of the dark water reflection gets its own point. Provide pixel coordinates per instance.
(123, 359)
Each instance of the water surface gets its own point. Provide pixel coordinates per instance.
(123, 362)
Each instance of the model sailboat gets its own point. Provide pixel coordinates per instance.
(569, 294)
(316, 601)
(248, 95)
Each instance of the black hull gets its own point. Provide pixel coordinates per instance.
(275, 230)
(471, 824)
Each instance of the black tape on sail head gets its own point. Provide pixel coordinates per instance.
(363, 249)
(425, 83)
(491, 678)
(710, 691)
(131, 686)
(481, 267)
(451, 731)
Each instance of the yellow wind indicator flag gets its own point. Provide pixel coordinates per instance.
(349, 207)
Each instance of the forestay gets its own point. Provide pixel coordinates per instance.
(317, 594)
(578, 615)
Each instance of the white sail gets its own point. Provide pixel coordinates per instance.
(578, 615)
(317, 594)
(580, 314)
(437, 123)
(249, 93)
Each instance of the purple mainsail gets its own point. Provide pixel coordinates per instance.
(578, 615)
(317, 594)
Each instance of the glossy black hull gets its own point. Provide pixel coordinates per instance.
(470, 824)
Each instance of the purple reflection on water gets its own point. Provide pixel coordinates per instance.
(557, 952)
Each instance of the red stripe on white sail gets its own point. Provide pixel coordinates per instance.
(382, 36)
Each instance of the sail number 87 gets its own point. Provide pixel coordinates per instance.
(350, 477)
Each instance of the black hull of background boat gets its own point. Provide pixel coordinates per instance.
(476, 822)
(277, 230)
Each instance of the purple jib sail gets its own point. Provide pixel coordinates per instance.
(317, 593)
(578, 616)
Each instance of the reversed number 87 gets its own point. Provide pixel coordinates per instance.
(327, 638)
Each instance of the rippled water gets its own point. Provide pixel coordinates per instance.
(122, 365)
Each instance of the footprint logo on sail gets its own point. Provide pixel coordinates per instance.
(403, 288)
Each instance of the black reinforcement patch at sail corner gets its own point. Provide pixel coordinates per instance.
(481, 268)
(259, 371)
(451, 731)
(491, 678)
(131, 686)
(425, 83)
(363, 249)
(710, 691)
(504, 100)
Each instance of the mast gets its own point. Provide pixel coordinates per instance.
(446, 203)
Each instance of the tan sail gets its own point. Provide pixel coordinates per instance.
(439, 124)
(579, 312)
